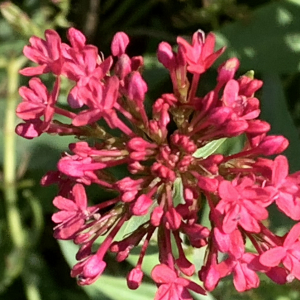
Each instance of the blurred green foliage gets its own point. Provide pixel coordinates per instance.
(264, 35)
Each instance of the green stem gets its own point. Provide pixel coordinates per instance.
(32, 291)
(9, 168)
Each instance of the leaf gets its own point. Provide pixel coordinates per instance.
(232, 145)
(11, 265)
(113, 287)
(209, 148)
(275, 111)
(178, 192)
(19, 19)
(135, 222)
(269, 40)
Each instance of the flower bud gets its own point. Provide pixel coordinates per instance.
(173, 219)
(141, 205)
(165, 55)
(76, 38)
(227, 70)
(136, 87)
(156, 216)
(134, 278)
(119, 43)
(273, 145)
(123, 66)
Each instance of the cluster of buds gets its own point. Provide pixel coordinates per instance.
(161, 153)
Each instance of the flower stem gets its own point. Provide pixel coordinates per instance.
(32, 292)
(9, 158)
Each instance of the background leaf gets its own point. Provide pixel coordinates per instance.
(269, 40)
(275, 111)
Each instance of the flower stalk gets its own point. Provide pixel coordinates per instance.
(9, 157)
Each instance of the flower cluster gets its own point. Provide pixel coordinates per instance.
(160, 150)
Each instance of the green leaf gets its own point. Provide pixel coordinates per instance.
(115, 288)
(19, 19)
(269, 40)
(232, 145)
(178, 192)
(209, 148)
(11, 265)
(275, 111)
(135, 222)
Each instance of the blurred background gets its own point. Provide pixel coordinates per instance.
(263, 34)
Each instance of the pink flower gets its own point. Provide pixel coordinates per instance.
(141, 205)
(73, 213)
(242, 204)
(37, 102)
(171, 286)
(30, 129)
(46, 53)
(80, 63)
(244, 271)
(288, 253)
(231, 243)
(242, 107)
(200, 55)
(100, 99)
(286, 189)
(197, 234)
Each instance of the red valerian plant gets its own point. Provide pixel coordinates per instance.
(162, 160)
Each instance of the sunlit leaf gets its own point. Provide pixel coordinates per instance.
(209, 148)
(269, 40)
(275, 111)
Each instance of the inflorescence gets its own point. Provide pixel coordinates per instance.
(158, 150)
